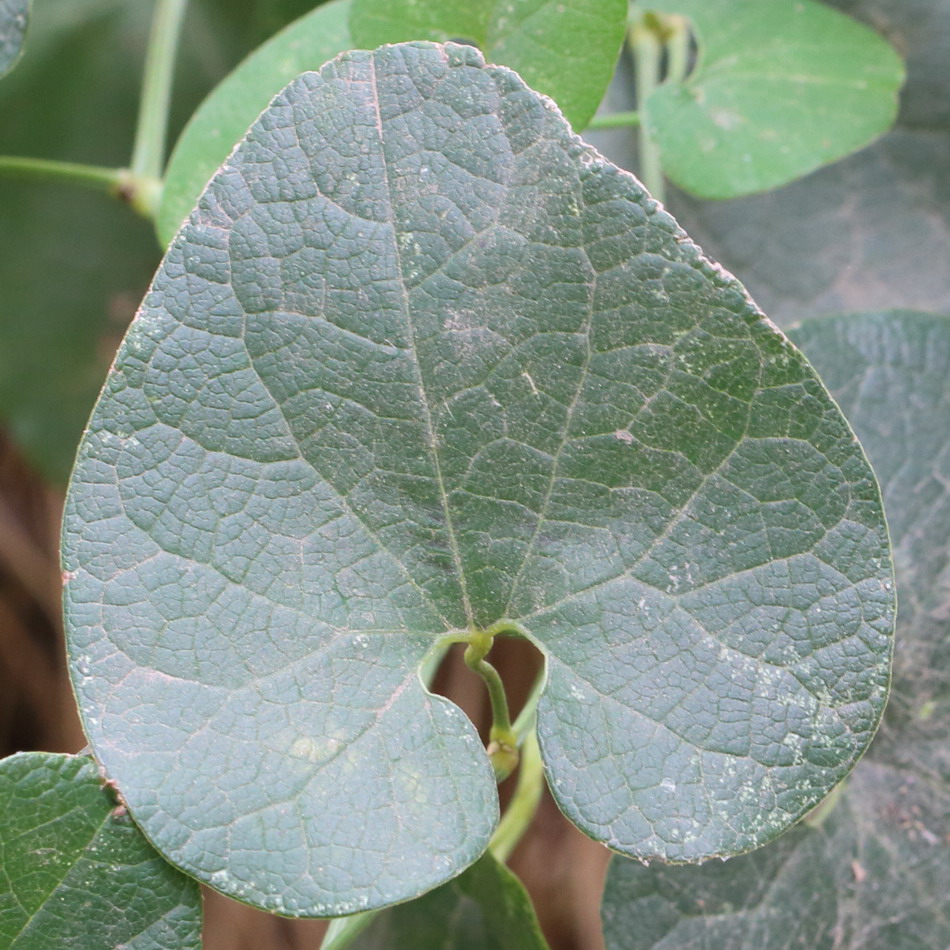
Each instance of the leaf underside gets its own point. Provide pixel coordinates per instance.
(875, 873)
(780, 88)
(76, 870)
(421, 361)
(14, 17)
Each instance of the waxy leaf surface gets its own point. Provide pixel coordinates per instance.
(780, 87)
(77, 872)
(485, 906)
(565, 50)
(14, 16)
(225, 116)
(874, 872)
(421, 362)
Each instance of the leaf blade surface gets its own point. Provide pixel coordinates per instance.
(422, 361)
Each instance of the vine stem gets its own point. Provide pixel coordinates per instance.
(647, 60)
(148, 151)
(87, 176)
(615, 120)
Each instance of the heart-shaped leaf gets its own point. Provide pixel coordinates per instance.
(76, 870)
(565, 50)
(236, 102)
(486, 906)
(780, 88)
(874, 871)
(14, 17)
(420, 363)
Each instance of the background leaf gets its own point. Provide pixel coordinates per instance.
(780, 88)
(871, 231)
(485, 906)
(565, 50)
(420, 362)
(875, 874)
(14, 16)
(77, 872)
(225, 116)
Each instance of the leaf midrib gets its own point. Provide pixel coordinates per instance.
(414, 354)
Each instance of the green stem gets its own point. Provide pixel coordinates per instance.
(86, 176)
(615, 120)
(139, 192)
(524, 803)
(677, 48)
(645, 43)
(148, 152)
(343, 930)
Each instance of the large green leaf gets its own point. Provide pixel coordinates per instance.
(871, 231)
(224, 117)
(565, 50)
(14, 16)
(77, 872)
(422, 362)
(484, 907)
(780, 88)
(875, 873)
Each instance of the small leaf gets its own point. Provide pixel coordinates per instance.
(874, 872)
(76, 870)
(14, 18)
(237, 101)
(484, 907)
(565, 50)
(869, 232)
(419, 363)
(781, 87)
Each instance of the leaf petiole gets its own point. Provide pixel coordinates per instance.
(503, 743)
(138, 191)
(615, 120)
(148, 151)
(645, 42)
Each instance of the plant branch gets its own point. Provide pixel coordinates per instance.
(86, 176)
(148, 152)
(647, 50)
(524, 803)
(615, 120)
